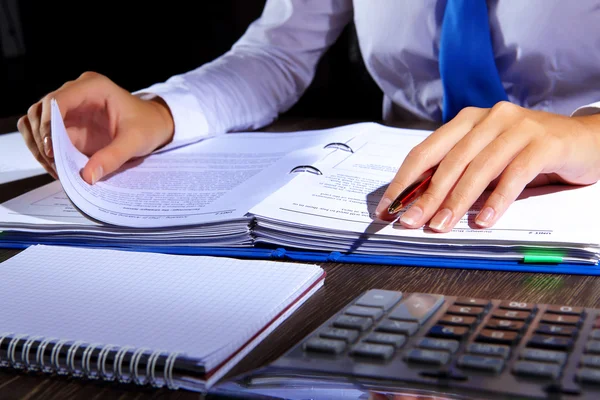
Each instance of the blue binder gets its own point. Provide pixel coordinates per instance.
(279, 253)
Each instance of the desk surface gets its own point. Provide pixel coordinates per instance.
(343, 283)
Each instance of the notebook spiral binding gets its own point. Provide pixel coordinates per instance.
(315, 170)
(92, 361)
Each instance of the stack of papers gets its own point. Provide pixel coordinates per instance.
(194, 196)
(313, 191)
(335, 211)
(46, 215)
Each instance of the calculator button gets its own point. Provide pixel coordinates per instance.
(467, 301)
(428, 356)
(532, 368)
(555, 357)
(511, 314)
(328, 346)
(501, 337)
(505, 324)
(588, 375)
(448, 332)
(560, 319)
(492, 364)
(489, 349)
(457, 320)
(369, 312)
(560, 330)
(595, 334)
(405, 328)
(353, 322)
(550, 342)
(385, 299)
(466, 311)
(590, 361)
(593, 346)
(565, 310)
(386, 338)
(517, 305)
(346, 335)
(379, 351)
(417, 307)
(439, 344)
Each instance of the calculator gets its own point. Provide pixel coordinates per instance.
(387, 343)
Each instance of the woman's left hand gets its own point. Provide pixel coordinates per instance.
(508, 147)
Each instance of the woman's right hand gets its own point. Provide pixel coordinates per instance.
(103, 120)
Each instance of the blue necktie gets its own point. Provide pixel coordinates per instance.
(467, 66)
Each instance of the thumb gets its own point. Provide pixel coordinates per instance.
(110, 158)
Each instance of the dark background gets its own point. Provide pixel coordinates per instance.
(137, 44)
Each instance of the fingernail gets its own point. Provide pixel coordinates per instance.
(97, 174)
(441, 220)
(485, 216)
(48, 146)
(412, 215)
(383, 205)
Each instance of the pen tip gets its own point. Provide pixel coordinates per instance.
(393, 209)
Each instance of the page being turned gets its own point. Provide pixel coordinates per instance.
(216, 179)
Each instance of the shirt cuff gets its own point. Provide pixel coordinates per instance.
(190, 124)
(589, 109)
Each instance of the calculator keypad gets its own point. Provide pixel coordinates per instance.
(515, 347)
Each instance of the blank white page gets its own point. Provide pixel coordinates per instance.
(16, 160)
(190, 304)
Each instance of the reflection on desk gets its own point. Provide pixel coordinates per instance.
(425, 344)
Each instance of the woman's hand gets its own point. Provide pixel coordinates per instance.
(506, 147)
(104, 121)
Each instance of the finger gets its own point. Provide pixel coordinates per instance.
(484, 168)
(44, 125)
(111, 157)
(452, 167)
(540, 180)
(25, 128)
(46, 114)
(427, 155)
(33, 115)
(521, 171)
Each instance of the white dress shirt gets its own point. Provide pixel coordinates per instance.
(547, 54)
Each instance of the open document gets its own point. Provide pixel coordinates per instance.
(313, 193)
(189, 197)
(335, 211)
(214, 180)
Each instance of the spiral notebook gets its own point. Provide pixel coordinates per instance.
(156, 319)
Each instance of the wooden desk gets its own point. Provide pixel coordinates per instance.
(343, 283)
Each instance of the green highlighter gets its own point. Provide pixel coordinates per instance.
(542, 256)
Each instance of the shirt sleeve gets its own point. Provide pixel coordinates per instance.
(589, 109)
(263, 74)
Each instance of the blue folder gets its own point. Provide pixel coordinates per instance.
(278, 253)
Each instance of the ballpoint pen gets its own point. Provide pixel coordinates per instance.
(411, 192)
